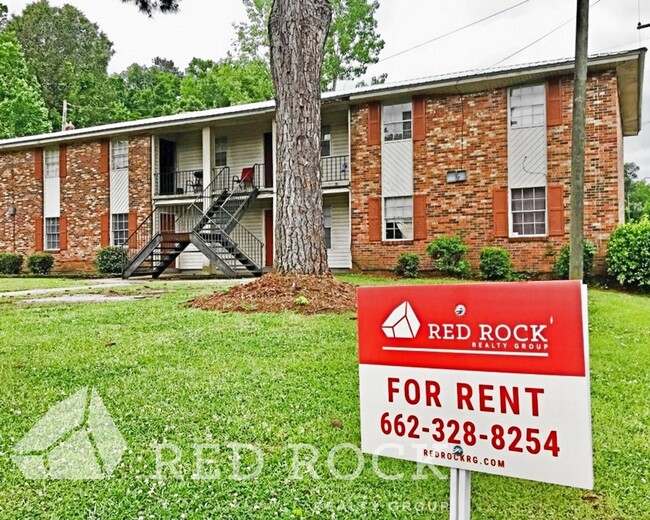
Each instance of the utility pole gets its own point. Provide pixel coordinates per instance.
(576, 267)
(64, 115)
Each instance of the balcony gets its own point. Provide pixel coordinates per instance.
(335, 172)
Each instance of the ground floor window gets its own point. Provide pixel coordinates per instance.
(120, 228)
(327, 224)
(398, 218)
(52, 233)
(528, 207)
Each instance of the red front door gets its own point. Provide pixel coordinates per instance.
(268, 237)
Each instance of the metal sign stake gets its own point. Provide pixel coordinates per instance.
(460, 494)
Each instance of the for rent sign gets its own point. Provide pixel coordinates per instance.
(481, 377)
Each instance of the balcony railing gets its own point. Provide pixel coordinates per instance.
(335, 169)
(189, 183)
(180, 183)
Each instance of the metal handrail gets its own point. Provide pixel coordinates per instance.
(335, 168)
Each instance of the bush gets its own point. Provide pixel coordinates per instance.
(628, 254)
(495, 264)
(408, 265)
(561, 266)
(10, 263)
(447, 254)
(110, 260)
(40, 263)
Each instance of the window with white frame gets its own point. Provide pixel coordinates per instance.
(527, 106)
(327, 225)
(51, 163)
(221, 151)
(397, 122)
(528, 206)
(120, 228)
(52, 233)
(398, 218)
(326, 141)
(119, 154)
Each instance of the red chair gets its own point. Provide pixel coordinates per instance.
(247, 175)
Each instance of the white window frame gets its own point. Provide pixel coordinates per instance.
(51, 163)
(119, 154)
(327, 226)
(405, 221)
(119, 228)
(221, 151)
(326, 140)
(52, 233)
(527, 106)
(519, 209)
(397, 122)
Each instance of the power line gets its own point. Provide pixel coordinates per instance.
(451, 32)
(541, 37)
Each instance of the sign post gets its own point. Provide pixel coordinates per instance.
(488, 377)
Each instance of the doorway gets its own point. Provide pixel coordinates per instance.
(268, 160)
(268, 237)
(167, 160)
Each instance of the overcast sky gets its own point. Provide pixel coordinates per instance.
(204, 29)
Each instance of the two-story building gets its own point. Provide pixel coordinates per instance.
(485, 154)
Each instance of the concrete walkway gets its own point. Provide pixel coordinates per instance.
(112, 282)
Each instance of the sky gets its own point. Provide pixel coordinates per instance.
(204, 29)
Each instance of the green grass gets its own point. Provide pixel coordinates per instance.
(20, 283)
(170, 373)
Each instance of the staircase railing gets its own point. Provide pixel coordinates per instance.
(183, 222)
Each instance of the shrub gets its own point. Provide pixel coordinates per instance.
(110, 260)
(495, 264)
(628, 254)
(447, 254)
(408, 265)
(561, 266)
(40, 263)
(10, 263)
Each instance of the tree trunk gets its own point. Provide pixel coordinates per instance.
(297, 32)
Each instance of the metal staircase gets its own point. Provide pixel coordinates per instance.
(216, 232)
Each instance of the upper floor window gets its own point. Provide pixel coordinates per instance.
(221, 151)
(397, 122)
(119, 154)
(326, 141)
(51, 163)
(527, 106)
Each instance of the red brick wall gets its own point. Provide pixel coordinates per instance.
(19, 189)
(84, 198)
(466, 208)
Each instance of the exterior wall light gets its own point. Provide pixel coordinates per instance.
(456, 176)
(11, 211)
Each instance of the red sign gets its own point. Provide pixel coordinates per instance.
(489, 377)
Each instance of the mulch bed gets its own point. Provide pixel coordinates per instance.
(306, 294)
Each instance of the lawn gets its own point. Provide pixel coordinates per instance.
(19, 283)
(186, 377)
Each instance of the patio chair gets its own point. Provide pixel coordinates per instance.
(247, 176)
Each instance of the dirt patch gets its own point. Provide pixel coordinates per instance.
(108, 296)
(273, 292)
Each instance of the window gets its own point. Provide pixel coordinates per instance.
(327, 224)
(51, 163)
(52, 233)
(527, 106)
(528, 211)
(221, 151)
(397, 122)
(326, 141)
(119, 155)
(120, 228)
(398, 218)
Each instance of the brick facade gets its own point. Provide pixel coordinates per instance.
(466, 208)
(84, 198)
